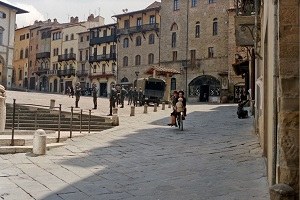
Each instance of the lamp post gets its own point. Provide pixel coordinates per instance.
(137, 76)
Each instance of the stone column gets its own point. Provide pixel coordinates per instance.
(2, 108)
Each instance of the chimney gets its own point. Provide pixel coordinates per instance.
(49, 20)
(76, 19)
(91, 18)
(55, 20)
(72, 20)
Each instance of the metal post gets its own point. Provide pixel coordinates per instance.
(90, 112)
(35, 120)
(19, 118)
(80, 120)
(59, 116)
(13, 124)
(71, 122)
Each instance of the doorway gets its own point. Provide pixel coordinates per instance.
(103, 89)
(204, 92)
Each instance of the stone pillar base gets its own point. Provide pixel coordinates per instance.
(282, 192)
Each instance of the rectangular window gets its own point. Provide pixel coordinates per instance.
(104, 50)
(194, 3)
(197, 32)
(193, 57)
(80, 55)
(81, 39)
(94, 68)
(86, 54)
(126, 23)
(152, 19)
(174, 55)
(88, 38)
(210, 52)
(103, 69)
(104, 33)
(176, 4)
(27, 35)
(139, 21)
(212, 1)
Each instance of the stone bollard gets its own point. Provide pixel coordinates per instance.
(2, 108)
(145, 109)
(52, 103)
(163, 106)
(155, 107)
(132, 111)
(169, 105)
(39, 142)
(115, 120)
(115, 111)
(282, 192)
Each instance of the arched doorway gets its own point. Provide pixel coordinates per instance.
(205, 88)
(43, 83)
(55, 85)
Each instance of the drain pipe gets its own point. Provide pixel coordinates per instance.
(275, 148)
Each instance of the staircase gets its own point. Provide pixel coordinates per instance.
(28, 119)
(48, 120)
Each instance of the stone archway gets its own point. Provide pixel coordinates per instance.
(206, 88)
(2, 72)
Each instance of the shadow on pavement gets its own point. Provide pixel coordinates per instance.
(160, 162)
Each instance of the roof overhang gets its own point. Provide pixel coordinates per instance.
(158, 70)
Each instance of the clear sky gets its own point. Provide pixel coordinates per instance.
(63, 9)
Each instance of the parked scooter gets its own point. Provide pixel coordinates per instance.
(241, 112)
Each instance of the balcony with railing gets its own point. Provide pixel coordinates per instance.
(43, 55)
(102, 74)
(66, 57)
(66, 72)
(138, 29)
(247, 11)
(101, 40)
(103, 57)
(52, 72)
(41, 71)
(82, 73)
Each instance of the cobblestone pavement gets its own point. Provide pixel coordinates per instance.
(216, 157)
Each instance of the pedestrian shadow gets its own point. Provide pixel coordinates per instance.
(157, 162)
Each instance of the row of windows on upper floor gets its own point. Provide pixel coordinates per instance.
(139, 21)
(138, 60)
(138, 41)
(194, 3)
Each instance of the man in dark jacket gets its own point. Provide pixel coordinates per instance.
(135, 96)
(77, 94)
(112, 99)
(95, 94)
(140, 96)
(123, 93)
(130, 94)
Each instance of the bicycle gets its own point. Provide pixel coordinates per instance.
(180, 121)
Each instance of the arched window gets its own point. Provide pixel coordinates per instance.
(71, 50)
(72, 36)
(125, 61)
(26, 53)
(67, 37)
(197, 30)
(21, 54)
(150, 58)
(126, 43)
(215, 26)
(138, 41)
(151, 39)
(173, 83)
(174, 27)
(137, 60)
(124, 80)
(174, 36)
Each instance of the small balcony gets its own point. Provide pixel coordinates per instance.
(66, 57)
(101, 40)
(82, 73)
(103, 57)
(102, 74)
(41, 71)
(138, 29)
(43, 55)
(52, 72)
(66, 72)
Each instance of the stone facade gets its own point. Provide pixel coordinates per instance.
(7, 31)
(142, 36)
(20, 61)
(277, 91)
(198, 29)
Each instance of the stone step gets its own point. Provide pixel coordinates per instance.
(66, 129)
(25, 149)
(23, 132)
(42, 126)
(65, 116)
(63, 121)
(27, 140)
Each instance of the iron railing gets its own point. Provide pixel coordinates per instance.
(66, 72)
(103, 57)
(66, 57)
(43, 55)
(101, 40)
(137, 29)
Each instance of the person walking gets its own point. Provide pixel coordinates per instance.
(140, 96)
(135, 97)
(112, 99)
(95, 94)
(130, 94)
(77, 94)
(72, 91)
(123, 93)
